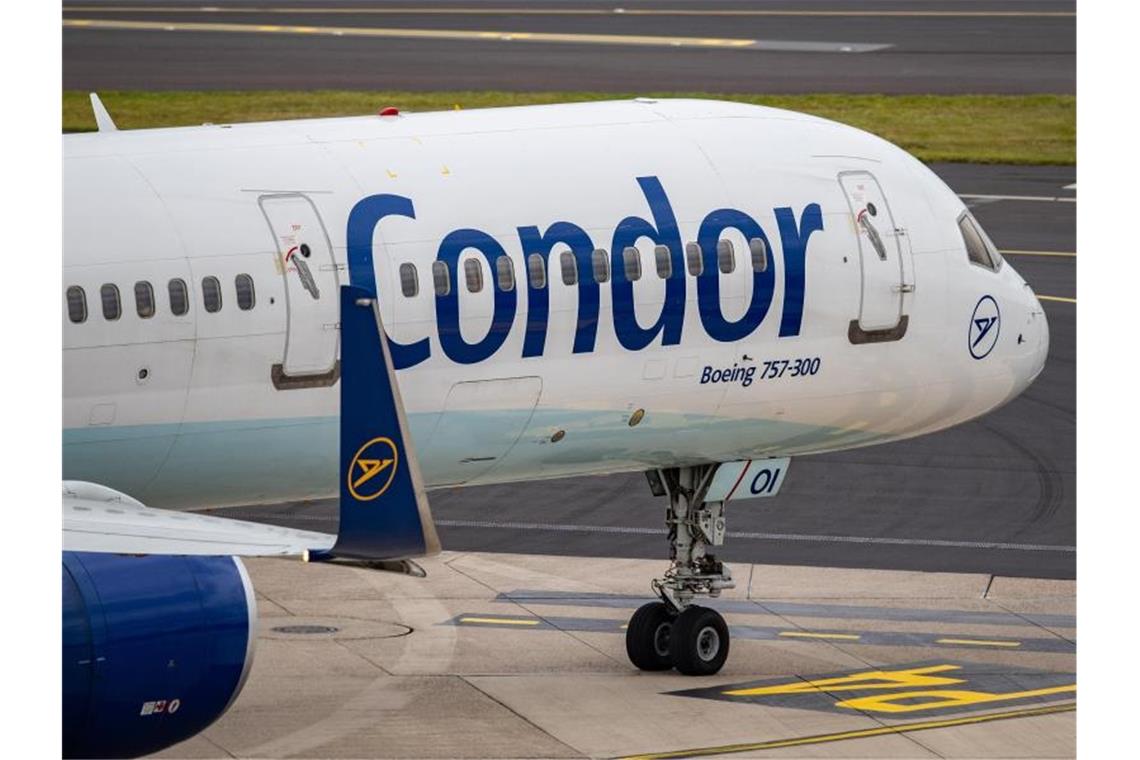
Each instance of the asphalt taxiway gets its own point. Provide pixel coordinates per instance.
(996, 495)
(507, 655)
(767, 46)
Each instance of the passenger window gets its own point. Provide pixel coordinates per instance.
(977, 248)
(664, 262)
(693, 258)
(211, 294)
(441, 277)
(601, 261)
(409, 280)
(76, 304)
(474, 275)
(112, 308)
(725, 256)
(569, 268)
(536, 271)
(144, 299)
(505, 273)
(179, 297)
(631, 263)
(759, 250)
(243, 284)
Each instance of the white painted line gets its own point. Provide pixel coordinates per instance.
(1046, 198)
(427, 9)
(1070, 187)
(807, 538)
(1065, 254)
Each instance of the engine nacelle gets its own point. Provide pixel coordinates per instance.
(155, 649)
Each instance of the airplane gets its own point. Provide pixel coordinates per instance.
(373, 307)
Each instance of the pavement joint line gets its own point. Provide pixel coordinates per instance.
(979, 642)
(579, 38)
(455, 11)
(467, 680)
(811, 635)
(881, 730)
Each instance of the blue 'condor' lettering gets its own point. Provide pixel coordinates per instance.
(663, 230)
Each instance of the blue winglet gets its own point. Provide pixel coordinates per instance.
(384, 511)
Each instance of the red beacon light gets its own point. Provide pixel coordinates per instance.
(390, 111)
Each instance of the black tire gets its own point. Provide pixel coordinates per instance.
(698, 643)
(647, 637)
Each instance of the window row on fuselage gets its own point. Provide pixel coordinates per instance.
(146, 304)
(536, 266)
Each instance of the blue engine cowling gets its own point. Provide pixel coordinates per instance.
(155, 648)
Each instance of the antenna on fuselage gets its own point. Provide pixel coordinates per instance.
(103, 119)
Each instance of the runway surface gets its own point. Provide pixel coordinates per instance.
(753, 46)
(506, 655)
(997, 495)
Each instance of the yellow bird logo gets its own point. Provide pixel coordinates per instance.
(366, 475)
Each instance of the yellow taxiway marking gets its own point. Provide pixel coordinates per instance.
(498, 621)
(979, 642)
(1068, 254)
(807, 635)
(899, 703)
(871, 679)
(901, 728)
(438, 34)
(1062, 299)
(445, 11)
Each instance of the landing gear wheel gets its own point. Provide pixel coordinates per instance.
(647, 637)
(698, 644)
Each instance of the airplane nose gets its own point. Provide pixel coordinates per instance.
(1039, 325)
(1043, 344)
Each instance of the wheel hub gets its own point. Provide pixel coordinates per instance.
(661, 639)
(708, 643)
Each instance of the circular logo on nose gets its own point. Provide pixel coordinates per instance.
(372, 469)
(985, 324)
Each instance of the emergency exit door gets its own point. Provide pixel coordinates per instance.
(312, 292)
(881, 253)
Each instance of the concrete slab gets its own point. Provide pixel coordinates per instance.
(500, 655)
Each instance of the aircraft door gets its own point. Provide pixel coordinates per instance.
(312, 289)
(480, 424)
(881, 254)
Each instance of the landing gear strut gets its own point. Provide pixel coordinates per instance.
(675, 633)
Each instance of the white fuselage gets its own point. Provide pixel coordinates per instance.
(543, 371)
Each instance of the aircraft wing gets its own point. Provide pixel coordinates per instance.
(101, 519)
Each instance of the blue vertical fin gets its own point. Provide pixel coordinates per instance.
(384, 512)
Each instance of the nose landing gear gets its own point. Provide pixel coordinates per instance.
(674, 633)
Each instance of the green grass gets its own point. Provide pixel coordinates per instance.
(1017, 129)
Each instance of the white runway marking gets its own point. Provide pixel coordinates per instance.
(808, 538)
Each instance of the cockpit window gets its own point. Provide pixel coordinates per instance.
(979, 249)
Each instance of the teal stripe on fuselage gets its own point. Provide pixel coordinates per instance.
(264, 461)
